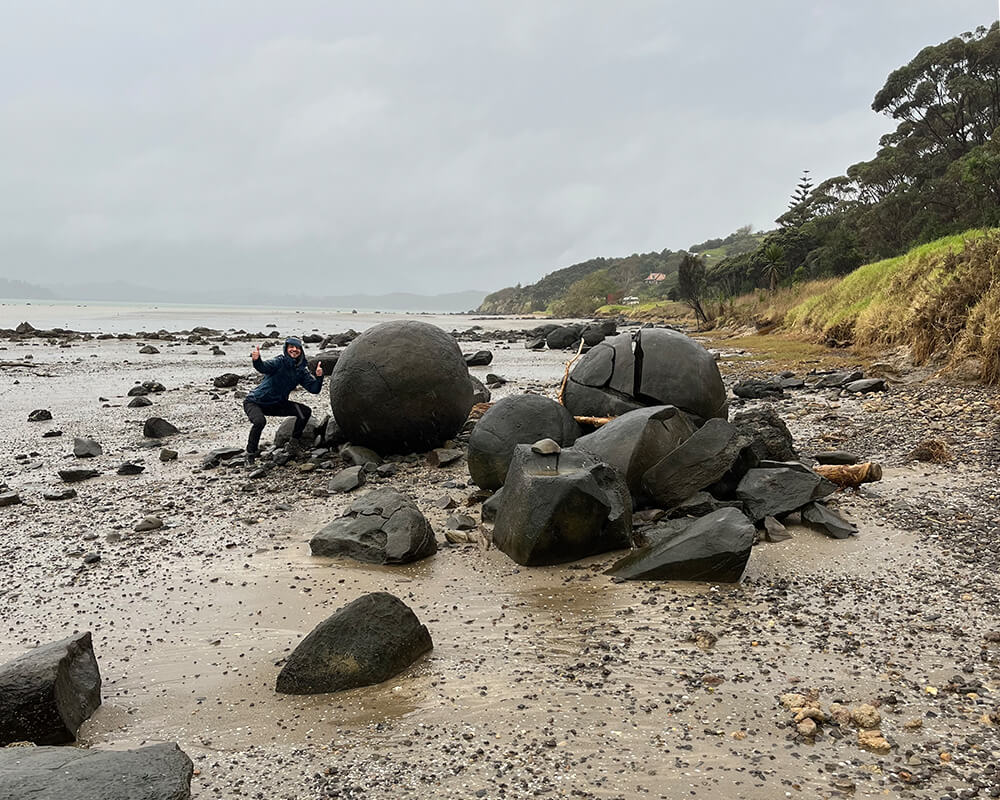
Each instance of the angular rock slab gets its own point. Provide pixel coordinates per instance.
(158, 428)
(561, 507)
(636, 441)
(658, 367)
(697, 462)
(776, 488)
(401, 387)
(366, 642)
(715, 548)
(158, 772)
(830, 521)
(767, 433)
(381, 527)
(47, 693)
(514, 420)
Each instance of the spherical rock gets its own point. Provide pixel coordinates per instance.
(401, 387)
(514, 420)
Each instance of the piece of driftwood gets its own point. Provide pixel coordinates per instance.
(595, 422)
(850, 476)
(562, 388)
(11, 364)
(477, 411)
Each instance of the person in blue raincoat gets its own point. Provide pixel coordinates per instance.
(282, 374)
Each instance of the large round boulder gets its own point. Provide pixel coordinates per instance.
(658, 366)
(514, 420)
(401, 387)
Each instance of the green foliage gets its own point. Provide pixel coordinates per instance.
(585, 295)
(691, 285)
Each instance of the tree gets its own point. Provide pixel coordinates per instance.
(585, 295)
(774, 264)
(691, 285)
(799, 209)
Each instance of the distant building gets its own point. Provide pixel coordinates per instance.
(655, 277)
(631, 300)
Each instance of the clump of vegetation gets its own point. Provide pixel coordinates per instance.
(931, 451)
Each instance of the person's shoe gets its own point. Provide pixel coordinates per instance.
(252, 459)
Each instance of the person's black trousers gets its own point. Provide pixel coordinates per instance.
(287, 408)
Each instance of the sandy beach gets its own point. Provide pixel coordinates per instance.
(552, 681)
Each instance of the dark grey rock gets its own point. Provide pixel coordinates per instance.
(836, 457)
(9, 499)
(140, 402)
(636, 441)
(215, 457)
(865, 385)
(227, 380)
(166, 454)
(836, 380)
(138, 391)
(767, 434)
(561, 508)
(491, 506)
(59, 494)
(829, 521)
(380, 527)
(131, 468)
(313, 428)
(148, 523)
(148, 350)
(774, 531)
(359, 456)
(74, 475)
(713, 548)
(537, 343)
(514, 420)
(51, 434)
(401, 387)
(328, 358)
(700, 504)
(460, 522)
(158, 428)
(481, 358)
(660, 367)
(157, 772)
(563, 337)
(753, 389)
(700, 460)
(333, 435)
(366, 642)
(442, 457)
(47, 693)
(493, 380)
(347, 480)
(480, 394)
(86, 448)
(40, 415)
(773, 489)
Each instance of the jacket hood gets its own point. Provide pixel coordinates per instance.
(297, 342)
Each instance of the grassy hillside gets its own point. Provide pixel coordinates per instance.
(942, 298)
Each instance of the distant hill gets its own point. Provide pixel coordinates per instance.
(623, 276)
(121, 292)
(21, 290)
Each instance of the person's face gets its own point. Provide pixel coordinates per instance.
(294, 351)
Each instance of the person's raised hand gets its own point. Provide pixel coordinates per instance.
(319, 369)
(255, 353)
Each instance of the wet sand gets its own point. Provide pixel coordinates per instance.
(543, 681)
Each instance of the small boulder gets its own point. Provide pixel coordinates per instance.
(829, 521)
(713, 548)
(158, 428)
(777, 488)
(563, 337)
(166, 454)
(561, 507)
(312, 429)
(148, 350)
(227, 380)
(148, 523)
(59, 494)
(40, 415)
(74, 475)
(86, 448)
(215, 457)
(347, 480)
(359, 456)
(481, 358)
(442, 457)
(381, 527)
(865, 385)
(700, 460)
(767, 434)
(9, 499)
(366, 642)
(157, 772)
(140, 402)
(47, 693)
(131, 468)
(753, 389)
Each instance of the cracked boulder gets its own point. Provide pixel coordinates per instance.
(714, 548)
(697, 462)
(774, 488)
(401, 387)
(157, 772)
(514, 420)
(381, 527)
(636, 441)
(366, 642)
(561, 507)
(47, 693)
(658, 366)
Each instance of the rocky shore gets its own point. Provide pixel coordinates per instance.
(194, 576)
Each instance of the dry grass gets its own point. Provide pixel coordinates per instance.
(932, 451)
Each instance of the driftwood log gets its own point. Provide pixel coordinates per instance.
(851, 476)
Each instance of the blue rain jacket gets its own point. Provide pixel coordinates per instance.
(282, 374)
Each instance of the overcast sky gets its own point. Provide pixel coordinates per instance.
(338, 146)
